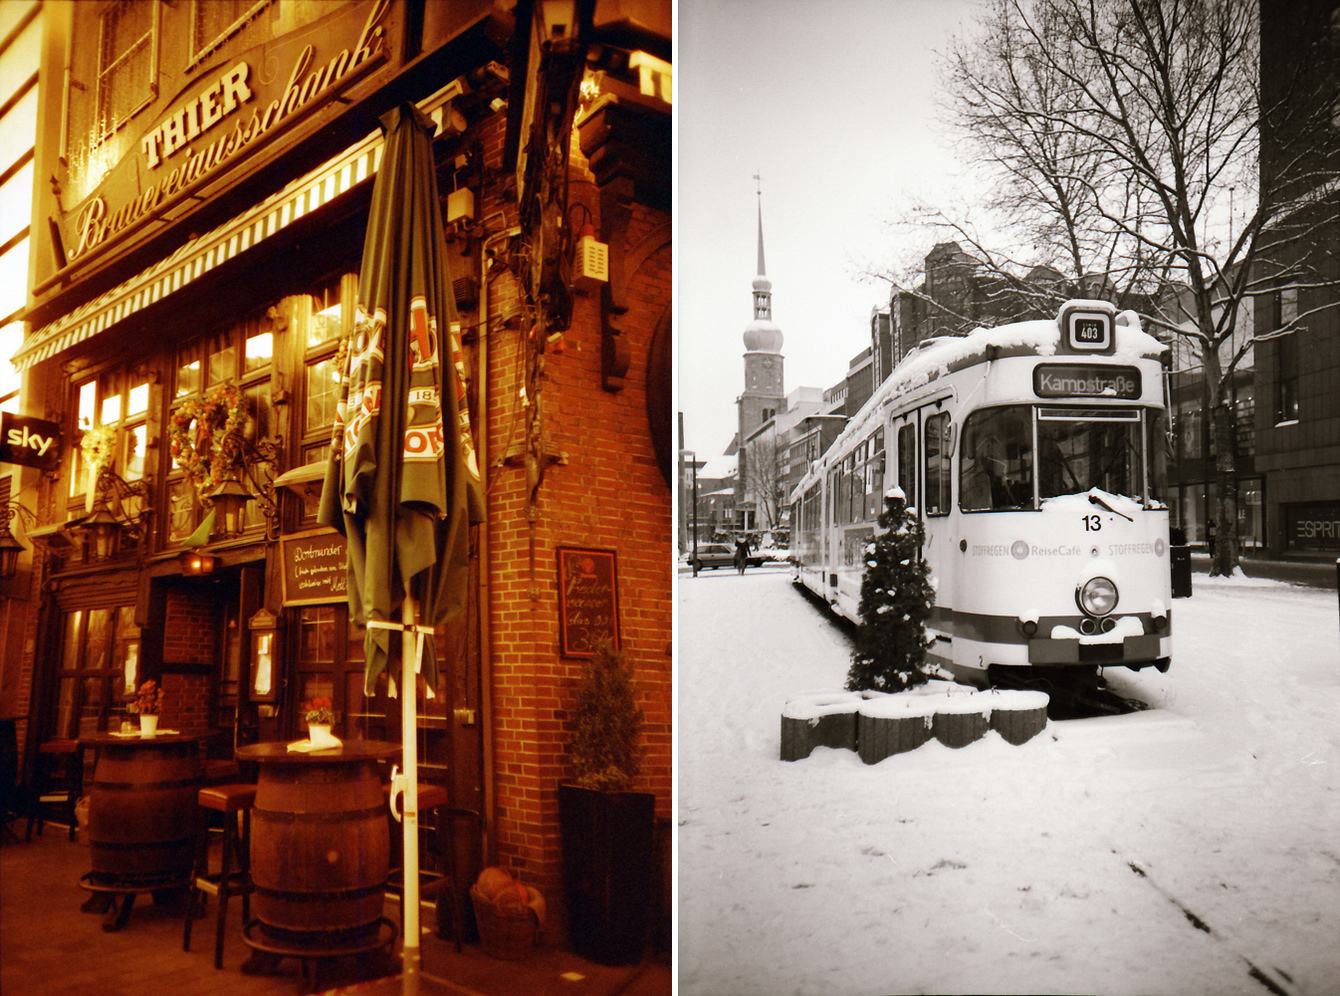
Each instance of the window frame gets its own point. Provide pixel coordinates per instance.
(104, 127)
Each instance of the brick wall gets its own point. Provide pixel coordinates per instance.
(610, 494)
(189, 630)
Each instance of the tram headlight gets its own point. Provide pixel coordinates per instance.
(1097, 596)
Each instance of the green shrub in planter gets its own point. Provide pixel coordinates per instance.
(608, 830)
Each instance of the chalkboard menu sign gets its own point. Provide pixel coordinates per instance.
(314, 568)
(588, 601)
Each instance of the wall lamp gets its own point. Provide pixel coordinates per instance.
(10, 548)
(119, 507)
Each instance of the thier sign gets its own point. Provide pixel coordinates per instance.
(29, 442)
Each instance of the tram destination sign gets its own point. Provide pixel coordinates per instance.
(1086, 380)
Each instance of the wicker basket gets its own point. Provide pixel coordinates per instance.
(506, 934)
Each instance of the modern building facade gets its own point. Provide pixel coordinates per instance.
(196, 257)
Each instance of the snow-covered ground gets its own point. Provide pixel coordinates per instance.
(1190, 849)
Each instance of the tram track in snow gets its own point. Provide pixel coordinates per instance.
(1274, 979)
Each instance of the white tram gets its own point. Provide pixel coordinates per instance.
(1035, 455)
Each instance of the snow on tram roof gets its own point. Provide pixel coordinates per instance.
(934, 358)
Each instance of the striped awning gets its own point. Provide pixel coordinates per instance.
(202, 254)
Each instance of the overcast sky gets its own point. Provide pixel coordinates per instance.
(832, 102)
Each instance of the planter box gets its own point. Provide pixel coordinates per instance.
(823, 720)
(961, 719)
(1019, 715)
(893, 725)
(608, 840)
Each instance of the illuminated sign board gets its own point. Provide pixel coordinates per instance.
(28, 441)
(1081, 380)
(227, 116)
(1086, 327)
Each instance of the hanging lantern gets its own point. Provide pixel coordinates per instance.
(230, 498)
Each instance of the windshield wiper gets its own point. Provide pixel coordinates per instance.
(1097, 500)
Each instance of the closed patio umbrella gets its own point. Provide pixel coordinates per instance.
(402, 483)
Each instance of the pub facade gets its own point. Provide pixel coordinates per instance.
(205, 173)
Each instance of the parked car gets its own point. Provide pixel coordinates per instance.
(713, 555)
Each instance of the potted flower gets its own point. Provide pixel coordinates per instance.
(148, 703)
(607, 828)
(320, 717)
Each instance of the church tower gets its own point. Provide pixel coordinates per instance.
(764, 388)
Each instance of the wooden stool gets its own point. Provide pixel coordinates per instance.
(440, 884)
(51, 755)
(230, 800)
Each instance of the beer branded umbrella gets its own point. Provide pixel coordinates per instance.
(402, 483)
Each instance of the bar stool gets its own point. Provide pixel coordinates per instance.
(230, 800)
(64, 756)
(440, 884)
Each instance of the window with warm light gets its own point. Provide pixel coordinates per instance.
(329, 314)
(241, 354)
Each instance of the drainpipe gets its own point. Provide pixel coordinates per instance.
(485, 562)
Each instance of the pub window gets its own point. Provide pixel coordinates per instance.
(114, 406)
(97, 668)
(241, 354)
(127, 63)
(331, 309)
(215, 21)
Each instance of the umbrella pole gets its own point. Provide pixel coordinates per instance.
(409, 692)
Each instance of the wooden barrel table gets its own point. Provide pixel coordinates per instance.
(142, 814)
(320, 845)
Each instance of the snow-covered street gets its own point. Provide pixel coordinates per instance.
(1190, 849)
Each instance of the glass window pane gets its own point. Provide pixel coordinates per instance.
(181, 511)
(259, 351)
(937, 464)
(88, 393)
(323, 394)
(325, 323)
(188, 370)
(70, 639)
(132, 463)
(222, 359)
(137, 401)
(1074, 456)
(65, 724)
(91, 707)
(996, 469)
(317, 634)
(261, 423)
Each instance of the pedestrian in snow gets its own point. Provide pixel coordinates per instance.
(741, 553)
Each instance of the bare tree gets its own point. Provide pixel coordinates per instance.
(1114, 131)
(766, 479)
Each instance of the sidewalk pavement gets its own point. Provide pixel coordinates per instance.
(1313, 573)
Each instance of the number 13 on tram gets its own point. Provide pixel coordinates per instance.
(1035, 457)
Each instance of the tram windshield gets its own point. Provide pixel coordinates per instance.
(1076, 449)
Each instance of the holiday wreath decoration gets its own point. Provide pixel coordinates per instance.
(206, 436)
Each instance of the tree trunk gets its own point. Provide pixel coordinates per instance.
(1223, 453)
(1225, 559)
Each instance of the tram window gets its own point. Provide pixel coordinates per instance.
(1160, 449)
(996, 471)
(1075, 455)
(907, 462)
(937, 464)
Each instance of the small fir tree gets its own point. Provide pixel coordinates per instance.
(607, 724)
(896, 600)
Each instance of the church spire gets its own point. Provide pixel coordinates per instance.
(762, 285)
(761, 269)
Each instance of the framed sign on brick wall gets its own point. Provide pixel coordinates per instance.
(588, 600)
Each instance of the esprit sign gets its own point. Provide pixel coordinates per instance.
(29, 442)
(193, 142)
